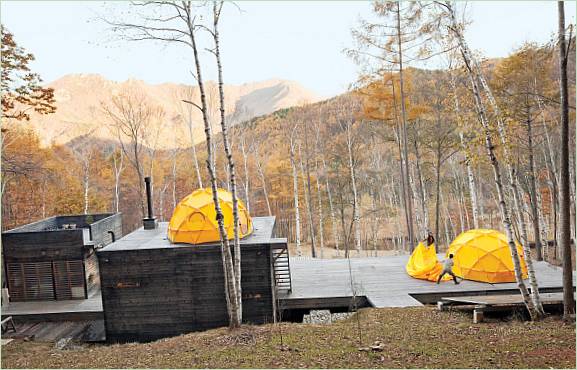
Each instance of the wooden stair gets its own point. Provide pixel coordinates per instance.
(281, 268)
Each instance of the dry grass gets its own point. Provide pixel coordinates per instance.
(402, 338)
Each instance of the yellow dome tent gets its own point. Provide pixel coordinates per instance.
(194, 218)
(423, 264)
(483, 255)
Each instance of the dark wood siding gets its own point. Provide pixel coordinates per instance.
(44, 261)
(106, 230)
(153, 293)
(43, 246)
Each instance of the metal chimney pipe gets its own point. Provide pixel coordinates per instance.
(148, 197)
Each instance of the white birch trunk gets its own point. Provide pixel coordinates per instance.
(468, 59)
(86, 181)
(445, 223)
(193, 147)
(419, 218)
(262, 179)
(118, 168)
(246, 177)
(234, 312)
(470, 176)
(408, 203)
(422, 191)
(374, 223)
(331, 207)
(356, 216)
(237, 292)
(544, 228)
(472, 186)
(308, 208)
(295, 194)
(520, 215)
(459, 202)
(320, 210)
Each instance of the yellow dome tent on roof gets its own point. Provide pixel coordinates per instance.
(484, 255)
(194, 218)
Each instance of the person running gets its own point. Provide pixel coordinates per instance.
(448, 269)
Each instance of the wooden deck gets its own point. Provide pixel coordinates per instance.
(316, 283)
(48, 331)
(79, 309)
(508, 299)
(482, 305)
(385, 283)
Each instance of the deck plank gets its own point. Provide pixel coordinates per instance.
(384, 281)
(509, 299)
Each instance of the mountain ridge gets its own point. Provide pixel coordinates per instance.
(81, 98)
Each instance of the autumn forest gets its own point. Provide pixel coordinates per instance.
(300, 159)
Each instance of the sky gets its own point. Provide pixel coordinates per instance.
(293, 40)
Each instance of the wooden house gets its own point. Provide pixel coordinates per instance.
(152, 288)
(55, 259)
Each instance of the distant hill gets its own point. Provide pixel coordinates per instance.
(80, 98)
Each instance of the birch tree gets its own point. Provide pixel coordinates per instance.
(440, 133)
(83, 149)
(466, 152)
(308, 191)
(457, 30)
(347, 127)
(293, 145)
(246, 148)
(236, 276)
(186, 111)
(399, 37)
(117, 158)
(308, 205)
(502, 131)
(261, 175)
(180, 23)
(324, 176)
(129, 118)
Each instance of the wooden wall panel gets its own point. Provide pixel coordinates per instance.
(153, 293)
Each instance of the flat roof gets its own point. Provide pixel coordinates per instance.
(55, 223)
(263, 228)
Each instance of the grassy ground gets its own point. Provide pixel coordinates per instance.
(410, 337)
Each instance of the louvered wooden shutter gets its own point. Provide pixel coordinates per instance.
(68, 279)
(30, 281)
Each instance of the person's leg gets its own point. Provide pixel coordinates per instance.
(440, 277)
(454, 277)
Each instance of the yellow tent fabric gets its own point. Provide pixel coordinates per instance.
(423, 264)
(483, 255)
(194, 218)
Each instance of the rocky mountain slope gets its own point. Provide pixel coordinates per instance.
(81, 100)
